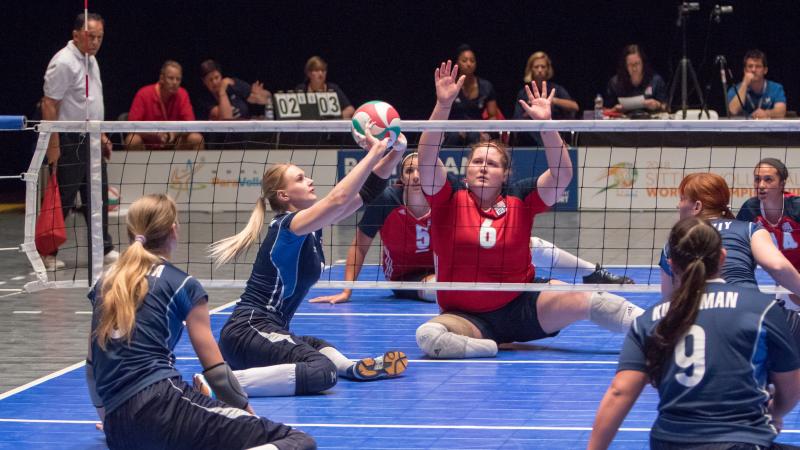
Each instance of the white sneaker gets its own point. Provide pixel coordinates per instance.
(53, 263)
(110, 257)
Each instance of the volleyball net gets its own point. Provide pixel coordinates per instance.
(617, 211)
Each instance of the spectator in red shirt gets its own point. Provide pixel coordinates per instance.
(166, 101)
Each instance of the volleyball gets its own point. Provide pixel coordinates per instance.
(386, 121)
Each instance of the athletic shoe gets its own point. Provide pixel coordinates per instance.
(110, 257)
(53, 263)
(202, 386)
(603, 276)
(391, 364)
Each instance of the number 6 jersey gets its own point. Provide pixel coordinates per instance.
(492, 246)
(714, 385)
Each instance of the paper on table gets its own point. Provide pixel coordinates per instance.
(631, 103)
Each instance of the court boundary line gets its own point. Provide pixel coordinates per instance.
(72, 367)
(41, 380)
(478, 361)
(390, 426)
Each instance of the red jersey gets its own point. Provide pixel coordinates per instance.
(786, 233)
(147, 105)
(406, 239)
(473, 245)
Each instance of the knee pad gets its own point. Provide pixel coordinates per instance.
(315, 376)
(612, 312)
(543, 253)
(437, 342)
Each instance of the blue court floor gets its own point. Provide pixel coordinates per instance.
(538, 395)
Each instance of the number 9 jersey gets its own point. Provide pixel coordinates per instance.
(714, 386)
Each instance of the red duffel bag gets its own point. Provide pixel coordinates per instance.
(50, 230)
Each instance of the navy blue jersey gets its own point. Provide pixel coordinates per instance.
(238, 92)
(740, 266)
(122, 369)
(472, 109)
(376, 212)
(655, 88)
(286, 267)
(714, 387)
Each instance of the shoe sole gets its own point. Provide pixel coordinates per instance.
(394, 364)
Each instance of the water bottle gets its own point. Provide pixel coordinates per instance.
(598, 107)
(269, 112)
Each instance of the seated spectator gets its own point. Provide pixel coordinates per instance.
(756, 97)
(229, 98)
(635, 77)
(476, 96)
(165, 100)
(539, 68)
(316, 71)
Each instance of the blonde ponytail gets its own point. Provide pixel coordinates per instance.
(150, 221)
(229, 248)
(226, 249)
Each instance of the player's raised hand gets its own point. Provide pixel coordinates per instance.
(448, 83)
(400, 144)
(538, 105)
(370, 142)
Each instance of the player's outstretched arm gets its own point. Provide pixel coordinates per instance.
(432, 173)
(224, 384)
(617, 402)
(343, 196)
(774, 262)
(383, 170)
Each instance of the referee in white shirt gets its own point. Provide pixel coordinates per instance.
(65, 99)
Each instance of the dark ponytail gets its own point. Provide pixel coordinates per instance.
(694, 248)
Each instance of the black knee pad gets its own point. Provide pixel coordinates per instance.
(315, 375)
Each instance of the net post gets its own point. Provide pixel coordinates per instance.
(31, 178)
(95, 180)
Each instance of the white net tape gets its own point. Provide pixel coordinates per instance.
(621, 202)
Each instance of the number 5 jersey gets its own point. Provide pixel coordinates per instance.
(406, 238)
